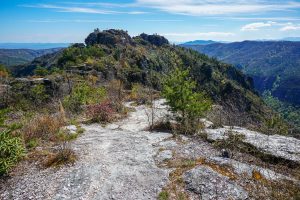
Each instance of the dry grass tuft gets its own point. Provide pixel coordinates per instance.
(62, 157)
(225, 171)
(256, 175)
(43, 127)
(175, 189)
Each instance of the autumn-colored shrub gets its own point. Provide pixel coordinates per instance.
(43, 127)
(102, 112)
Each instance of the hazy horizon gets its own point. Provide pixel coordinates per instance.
(40, 45)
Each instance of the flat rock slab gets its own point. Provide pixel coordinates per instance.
(246, 169)
(139, 119)
(208, 184)
(276, 145)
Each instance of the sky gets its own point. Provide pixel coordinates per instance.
(178, 20)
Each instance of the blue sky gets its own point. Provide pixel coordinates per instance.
(178, 20)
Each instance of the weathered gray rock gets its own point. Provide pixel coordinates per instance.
(113, 164)
(245, 169)
(209, 184)
(139, 120)
(164, 155)
(276, 145)
(72, 129)
(168, 143)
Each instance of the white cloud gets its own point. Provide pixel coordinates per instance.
(217, 7)
(290, 28)
(70, 21)
(256, 26)
(184, 7)
(77, 9)
(261, 18)
(163, 20)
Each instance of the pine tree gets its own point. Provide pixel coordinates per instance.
(185, 102)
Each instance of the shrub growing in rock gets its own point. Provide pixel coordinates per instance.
(11, 151)
(185, 102)
(41, 71)
(61, 157)
(102, 112)
(39, 94)
(83, 94)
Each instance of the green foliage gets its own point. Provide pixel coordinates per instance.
(34, 142)
(83, 94)
(56, 70)
(3, 116)
(41, 71)
(138, 93)
(39, 94)
(76, 55)
(287, 111)
(11, 151)
(66, 135)
(164, 195)
(180, 92)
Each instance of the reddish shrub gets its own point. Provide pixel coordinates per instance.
(102, 112)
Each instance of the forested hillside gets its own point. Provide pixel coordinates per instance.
(274, 65)
(11, 57)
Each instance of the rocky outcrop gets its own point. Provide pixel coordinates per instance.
(154, 39)
(247, 170)
(24, 85)
(209, 184)
(109, 37)
(275, 145)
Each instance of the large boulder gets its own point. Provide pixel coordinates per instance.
(154, 39)
(109, 37)
(209, 184)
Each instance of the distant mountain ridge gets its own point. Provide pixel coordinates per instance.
(292, 39)
(199, 42)
(34, 46)
(11, 57)
(274, 65)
